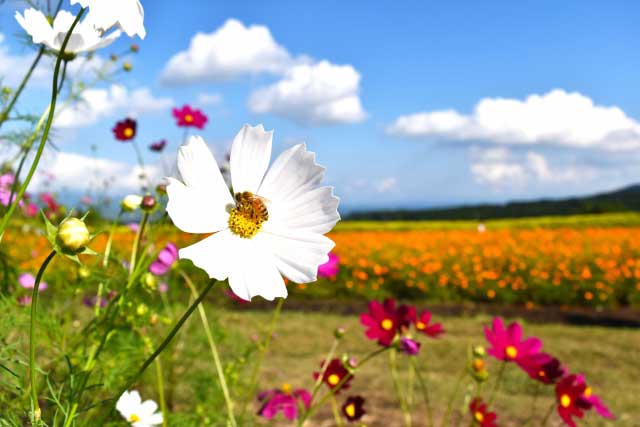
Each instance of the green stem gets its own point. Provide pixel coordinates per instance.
(143, 172)
(456, 387)
(496, 386)
(548, 415)
(256, 368)
(32, 340)
(136, 242)
(214, 353)
(105, 261)
(425, 392)
(396, 386)
(336, 412)
(323, 370)
(47, 128)
(5, 113)
(160, 384)
(159, 350)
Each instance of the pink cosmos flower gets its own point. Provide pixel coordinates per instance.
(594, 399)
(133, 226)
(409, 347)
(166, 258)
(507, 344)
(544, 368)
(285, 400)
(189, 117)
(330, 269)
(571, 403)
(28, 281)
(424, 325)
(382, 321)
(24, 300)
(163, 288)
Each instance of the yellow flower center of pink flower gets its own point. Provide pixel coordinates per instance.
(588, 392)
(128, 132)
(420, 325)
(542, 374)
(333, 379)
(511, 352)
(247, 217)
(386, 324)
(350, 410)
(286, 388)
(479, 416)
(565, 401)
(188, 118)
(133, 418)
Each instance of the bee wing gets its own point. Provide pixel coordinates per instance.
(264, 200)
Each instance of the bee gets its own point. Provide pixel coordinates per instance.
(252, 206)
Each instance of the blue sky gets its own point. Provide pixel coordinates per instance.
(394, 89)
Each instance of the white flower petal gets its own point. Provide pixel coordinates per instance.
(128, 14)
(147, 409)
(155, 419)
(216, 254)
(250, 155)
(128, 403)
(297, 253)
(200, 206)
(256, 273)
(36, 25)
(314, 211)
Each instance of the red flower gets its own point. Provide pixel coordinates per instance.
(284, 400)
(594, 400)
(353, 408)
(570, 392)
(334, 375)
(432, 330)
(544, 368)
(481, 415)
(125, 130)
(188, 117)
(158, 146)
(508, 345)
(382, 321)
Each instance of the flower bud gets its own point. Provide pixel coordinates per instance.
(84, 272)
(142, 310)
(478, 365)
(114, 57)
(135, 48)
(148, 203)
(339, 333)
(479, 351)
(161, 189)
(127, 66)
(131, 202)
(149, 281)
(73, 235)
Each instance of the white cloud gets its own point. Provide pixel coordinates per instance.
(100, 103)
(321, 93)
(387, 184)
(209, 99)
(75, 172)
(501, 167)
(231, 51)
(13, 67)
(557, 118)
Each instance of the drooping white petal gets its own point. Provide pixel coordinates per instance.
(200, 204)
(36, 25)
(128, 14)
(297, 253)
(216, 254)
(250, 155)
(291, 186)
(256, 274)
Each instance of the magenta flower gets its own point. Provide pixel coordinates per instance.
(189, 117)
(569, 395)
(166, 258)
(507, 344)
(93, 301)
(163, 288)
(285, 400)
(28, 281)
(30, 210)
(381, 321)
(409, 347)
(594, 399)
(330, 269)
(544, 368)
(424, 325)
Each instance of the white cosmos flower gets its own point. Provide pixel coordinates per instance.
(84, 37)
(137, 412)
(127, 14)
(275, 228)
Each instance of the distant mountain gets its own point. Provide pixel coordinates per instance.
(622, 200)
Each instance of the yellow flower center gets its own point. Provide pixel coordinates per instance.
(511, 352)
(479, 416)
(133, 418)
(542, 374)
(188, 118)
(565, 401)
(350, 410)
(247, 217)
(333, 379)
(588, 392)
(286, 388)
(386, 324)
(128, 132)
(420, 325)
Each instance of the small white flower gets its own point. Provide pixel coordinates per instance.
(137, 412)
(273, 225)
(131, 203)
(84, 37)
(127, 14)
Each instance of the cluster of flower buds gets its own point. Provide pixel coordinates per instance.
(477, 364)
